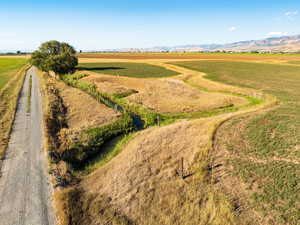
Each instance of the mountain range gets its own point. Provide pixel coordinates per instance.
(273, 44)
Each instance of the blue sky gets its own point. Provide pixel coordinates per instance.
(94, 25)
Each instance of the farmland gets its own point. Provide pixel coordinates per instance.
(190, 56)
(165, 119)
(8, 67)
(12, 72)
(144, 141)
(261, 149)
(138, 70)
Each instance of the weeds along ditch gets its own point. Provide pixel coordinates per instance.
(134, 118)
(82, 151)
(29, 95)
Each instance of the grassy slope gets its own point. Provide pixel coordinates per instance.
(264, 152)
(139, 70)
(11, 79)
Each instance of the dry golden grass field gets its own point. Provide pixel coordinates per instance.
(166, 95)
(235, 161)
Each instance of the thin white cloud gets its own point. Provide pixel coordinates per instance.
(231, 29)
(291, 13)
(277, 33)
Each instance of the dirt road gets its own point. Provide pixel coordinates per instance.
(24, 185)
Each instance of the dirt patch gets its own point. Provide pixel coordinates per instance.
(166, 95)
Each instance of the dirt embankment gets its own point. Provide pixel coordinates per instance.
(82, 110)
(68, 109)
(144, 184)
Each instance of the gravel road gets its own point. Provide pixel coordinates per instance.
(24, 185)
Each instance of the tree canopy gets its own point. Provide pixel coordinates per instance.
(55, 56)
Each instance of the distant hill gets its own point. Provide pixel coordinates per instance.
(273, 44)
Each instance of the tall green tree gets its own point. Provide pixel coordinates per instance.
(55, 56)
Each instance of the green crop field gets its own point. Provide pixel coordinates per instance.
(7, 67)
(296, 62)
(138, 70)
(264, 152)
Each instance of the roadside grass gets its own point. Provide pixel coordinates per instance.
(263, 149)
(138, 70)
(28, 109)
(12, 73)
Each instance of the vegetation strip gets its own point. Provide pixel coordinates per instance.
(28, 109)
(141, 117)
(9, 96)
(91, 140)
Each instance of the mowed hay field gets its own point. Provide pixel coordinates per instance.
(12, 72)
(258, 155)
(147, 85)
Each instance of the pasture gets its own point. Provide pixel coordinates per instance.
(245, 172)
(8, 67)
(261, 149)
(138, 70)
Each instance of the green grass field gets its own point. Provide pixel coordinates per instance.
(295, 62)
(9, 70)
(8, 66)
(138, 70)
(264, 152)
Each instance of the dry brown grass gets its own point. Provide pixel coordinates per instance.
(143, 184)
(166, 95)
(9, 97)
(83, 111)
